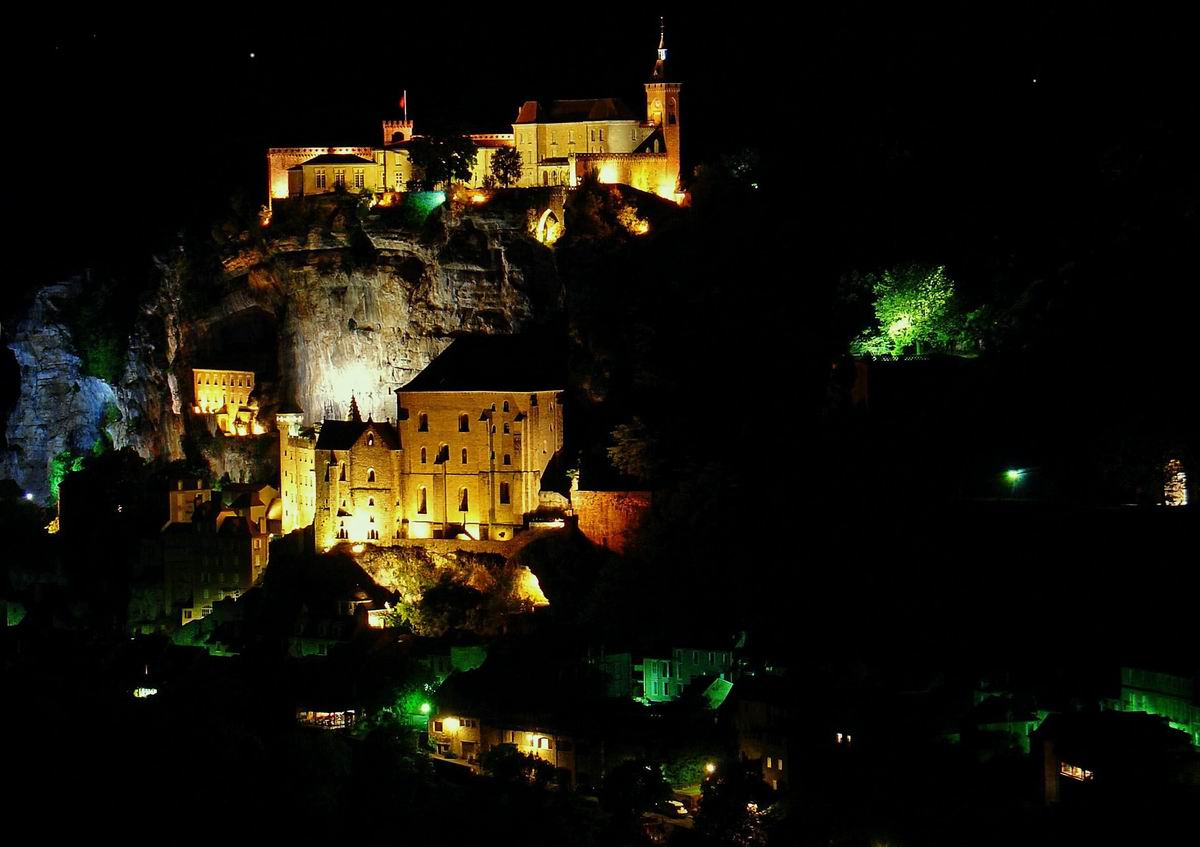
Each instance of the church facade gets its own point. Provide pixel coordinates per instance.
(561, 142)
(465, 457)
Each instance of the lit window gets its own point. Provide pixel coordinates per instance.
(339, 177)
(1075, 772)
(779, 765)
(370, 439)
(770, 762)
(359, 178)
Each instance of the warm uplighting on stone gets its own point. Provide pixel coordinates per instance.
(1175, 490)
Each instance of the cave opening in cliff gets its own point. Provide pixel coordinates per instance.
(247, 341)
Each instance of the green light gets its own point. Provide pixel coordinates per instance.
(426, 708)
(1014, 475)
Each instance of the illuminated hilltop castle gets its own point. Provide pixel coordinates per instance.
(560, 142)
(474, 434)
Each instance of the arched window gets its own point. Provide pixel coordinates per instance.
(370, 474)
(370, 439)
(421, 504)
(504, 495)
(506, 405)
(371, 502)
(423, 455)
(464, 423)
(463, 503)
(464, 455)
(422, 422)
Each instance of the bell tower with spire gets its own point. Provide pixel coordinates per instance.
(662, 105)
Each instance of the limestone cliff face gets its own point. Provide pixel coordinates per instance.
(58, 409)
(340, 309)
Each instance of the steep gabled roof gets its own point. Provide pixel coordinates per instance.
(521, 363)
(647, 145)
(574, 111)
(338, 159)
(342, 435)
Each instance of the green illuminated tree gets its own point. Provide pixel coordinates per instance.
(442, 159)
(915, 309)
(506, 166)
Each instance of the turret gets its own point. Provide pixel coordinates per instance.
(662, 107)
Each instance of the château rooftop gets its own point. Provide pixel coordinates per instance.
(574, 111)
(523, 363)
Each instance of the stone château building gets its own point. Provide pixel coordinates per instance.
(560, 142)
(474, 434)
(228, 396)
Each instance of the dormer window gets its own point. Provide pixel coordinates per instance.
(370, 439)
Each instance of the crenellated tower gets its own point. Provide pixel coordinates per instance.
(662, 105)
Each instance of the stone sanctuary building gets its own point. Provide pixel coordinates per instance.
(474, 434)
(560, 143)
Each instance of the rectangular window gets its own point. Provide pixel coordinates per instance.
(504, 494)
(437, 726)
(319, 177)
(339, 177)
(359, 178)
(421, 501)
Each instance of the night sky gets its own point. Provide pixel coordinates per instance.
(877, 116)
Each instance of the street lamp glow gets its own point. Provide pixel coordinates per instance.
(710, 768)
(426, 708)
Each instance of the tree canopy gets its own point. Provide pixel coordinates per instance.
(506, 166)
(442, 159)
(915, 308)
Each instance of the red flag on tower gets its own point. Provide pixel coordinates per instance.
(404, 103)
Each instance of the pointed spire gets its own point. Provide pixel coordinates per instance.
(660, 65)
(355, 415)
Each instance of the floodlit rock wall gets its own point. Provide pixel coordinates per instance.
(608, 518)
(335, 308)
(58, 409)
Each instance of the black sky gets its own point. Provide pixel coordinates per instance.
(144, 123)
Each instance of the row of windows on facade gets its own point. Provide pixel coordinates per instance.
(339, 177)
(444, 456)
(463, 500)
(464, 420)
(202, 380)
(594, 134)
